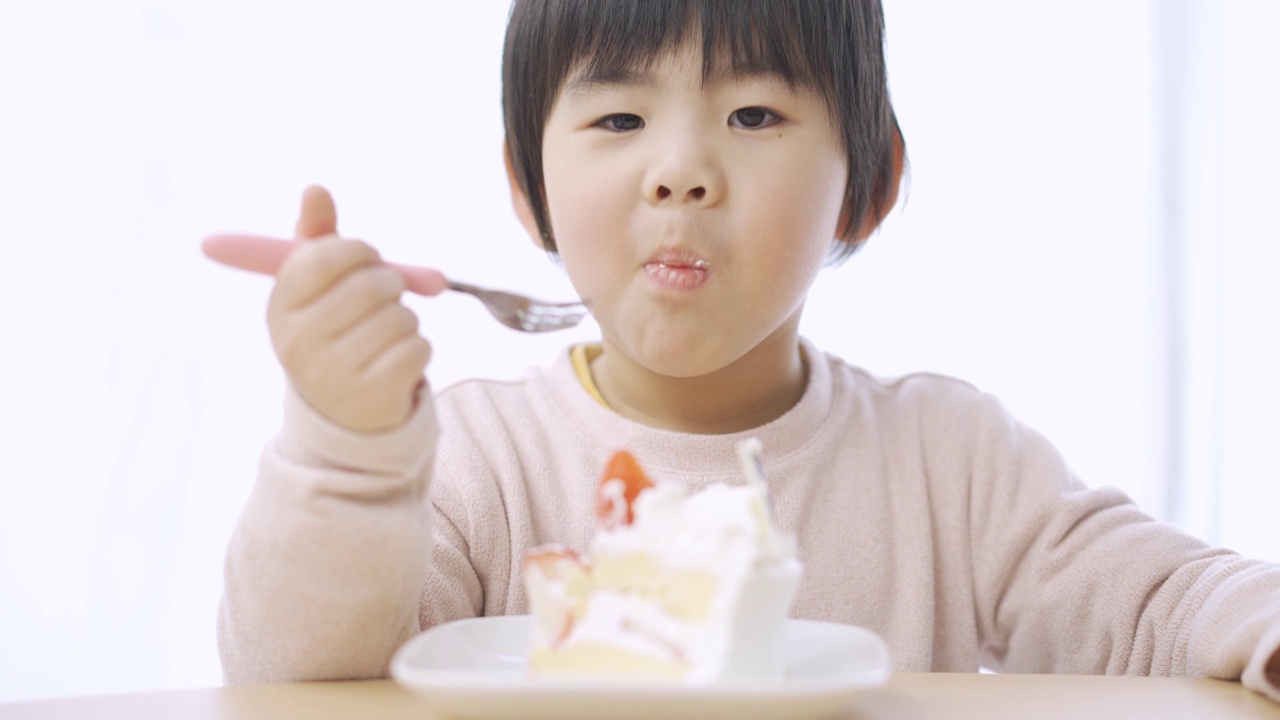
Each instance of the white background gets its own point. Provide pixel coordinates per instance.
(1037, 253)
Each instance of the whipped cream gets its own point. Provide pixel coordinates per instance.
(699, 584)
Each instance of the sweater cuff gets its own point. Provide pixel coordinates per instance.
(309, 438)
(1255, 676)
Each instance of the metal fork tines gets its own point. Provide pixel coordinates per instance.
(524, 313)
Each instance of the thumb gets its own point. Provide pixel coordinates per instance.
(318, 216)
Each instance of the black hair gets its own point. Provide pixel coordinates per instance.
(835, 47)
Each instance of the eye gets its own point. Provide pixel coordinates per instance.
(620, 122)
(753, 118)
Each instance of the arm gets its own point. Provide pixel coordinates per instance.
(1073, 579)
(325, 567)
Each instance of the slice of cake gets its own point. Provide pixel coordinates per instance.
(691, 587)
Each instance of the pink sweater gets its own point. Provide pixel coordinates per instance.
(921, 508)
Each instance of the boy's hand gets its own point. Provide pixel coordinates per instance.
(349, 346)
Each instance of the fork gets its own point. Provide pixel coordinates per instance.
(264, 255)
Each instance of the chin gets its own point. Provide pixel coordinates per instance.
(684, 358)
(681, 345)
(682, 370)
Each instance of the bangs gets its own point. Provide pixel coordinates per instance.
(610, 38)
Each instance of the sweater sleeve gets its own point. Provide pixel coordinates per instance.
(326, 564)
(1070, 579)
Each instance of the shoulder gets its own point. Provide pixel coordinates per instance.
(499, 428)
(485, 401)
(963, 436)
(926, 393)
(480, 395)
(946, 419)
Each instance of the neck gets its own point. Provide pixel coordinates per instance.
(753, 390)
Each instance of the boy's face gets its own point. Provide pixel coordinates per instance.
(692, 216)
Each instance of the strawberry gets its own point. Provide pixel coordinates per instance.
(557, 581)
(621, 484)
(550, 558)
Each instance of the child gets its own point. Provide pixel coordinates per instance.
(694, 164)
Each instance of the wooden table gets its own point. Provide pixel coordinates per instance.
(907, 696)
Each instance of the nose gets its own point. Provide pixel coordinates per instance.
(685, 173)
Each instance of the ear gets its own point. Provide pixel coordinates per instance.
(519, 200)
(873, 219)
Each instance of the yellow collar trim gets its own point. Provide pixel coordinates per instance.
(582, 355)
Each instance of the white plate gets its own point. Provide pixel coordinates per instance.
(477, 669)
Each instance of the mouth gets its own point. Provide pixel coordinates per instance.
(677, 269)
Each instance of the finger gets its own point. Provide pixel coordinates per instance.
(382, 328)
(318, 216)
(353, 298)
(315, 267)
(401, 364)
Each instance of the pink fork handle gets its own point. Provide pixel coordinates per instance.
(265, 255)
